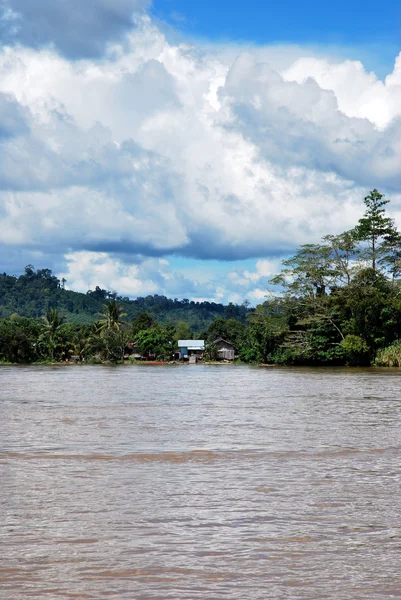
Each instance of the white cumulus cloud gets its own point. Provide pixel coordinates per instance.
(157, 148)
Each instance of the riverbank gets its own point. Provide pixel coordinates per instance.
(262, 366)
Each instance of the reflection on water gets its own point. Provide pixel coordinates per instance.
(199, 482)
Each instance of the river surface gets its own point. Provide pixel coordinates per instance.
(210, 482)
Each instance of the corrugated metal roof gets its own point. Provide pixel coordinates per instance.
(192, 344)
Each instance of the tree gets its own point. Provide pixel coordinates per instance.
(343, 248)
(52, 323)
(391, 254)
(228, 329)
(112, 317)
(142, 322)
(73, 339)
(29, 270)
(155, 342)
(267, 326)
(355, 350)
(113, 344)
(374, 227)
(230, 311)
(19, 338)
(368, 309)
(182, 331)
(260, 340)
(309, 273)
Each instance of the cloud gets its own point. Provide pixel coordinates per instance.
(264, 270)
(300, 124)
(86, 270)
(13, 118)
(77, 28)
(358, 93)
(166, 148)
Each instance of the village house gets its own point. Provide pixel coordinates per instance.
(224, 350)
(191, 350)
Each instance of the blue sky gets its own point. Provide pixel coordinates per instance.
(185, 148)
(348, 22)
(368, 31)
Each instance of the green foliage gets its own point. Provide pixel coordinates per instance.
(157, 343)
(228, 329)
(143, 321)
(110, 338)
(19, 340)
(74, 340)
(342, 251)
(338, 310)
(390, 356)
(52, 323)
(33, 293)
(112, 344)
(309, 272)
(112, 316)
(391, 254)
(182, 331)
(259, 342)
(374, 228)
(265, 332)
(355, 350)
(211, 352)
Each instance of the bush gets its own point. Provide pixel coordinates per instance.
(390, 356)
(355, 350)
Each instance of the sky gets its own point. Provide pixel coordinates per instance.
(262, 21)
(186, 148)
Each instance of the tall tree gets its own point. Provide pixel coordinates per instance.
(309, 273)
(391, 254)
(374, 227)
(343, 247)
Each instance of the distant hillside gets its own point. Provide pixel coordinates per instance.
(31, 294)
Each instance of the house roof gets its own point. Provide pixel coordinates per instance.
(192, 344)
(223, 340)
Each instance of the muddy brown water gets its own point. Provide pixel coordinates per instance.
(206, 482)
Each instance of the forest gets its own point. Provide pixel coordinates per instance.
(337, 302)
(35, 292)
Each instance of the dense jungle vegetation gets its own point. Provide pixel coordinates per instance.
(338, 303)
(34, 293)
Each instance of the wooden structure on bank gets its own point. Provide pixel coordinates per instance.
(224, 349)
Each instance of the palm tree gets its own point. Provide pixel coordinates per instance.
(52, 323)
(81, 347)
(112, 317)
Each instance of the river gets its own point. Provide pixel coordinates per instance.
(210, 482)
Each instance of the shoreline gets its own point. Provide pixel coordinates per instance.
(206, 363)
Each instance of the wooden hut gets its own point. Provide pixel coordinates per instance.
(224, 349)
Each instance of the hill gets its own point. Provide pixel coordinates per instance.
(31, 294)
